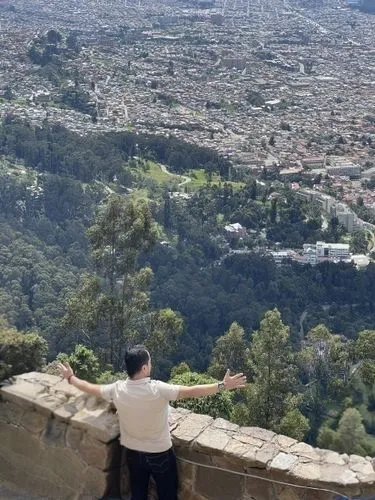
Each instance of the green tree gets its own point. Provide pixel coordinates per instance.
(273, 211)
(294, 424)
(216, 405)
(365, 354)
(326, 363)
(20, 352)
(351, 434)
(83, 361)
(231, 351)
(326, 437)
(271, 395)
(115, 303)
(358, 242)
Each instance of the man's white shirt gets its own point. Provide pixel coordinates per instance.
(142, 407)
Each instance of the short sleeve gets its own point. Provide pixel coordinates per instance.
(108, 391)
(168, 391)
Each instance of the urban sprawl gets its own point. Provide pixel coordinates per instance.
(282, 85)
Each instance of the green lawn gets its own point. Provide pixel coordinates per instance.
(199, 179)
(155, 173)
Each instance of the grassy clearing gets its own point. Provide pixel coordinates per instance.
(16, 169)
(199, 179)
(155, 173)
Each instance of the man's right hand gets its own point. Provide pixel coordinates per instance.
(238, 381)
(65, 370)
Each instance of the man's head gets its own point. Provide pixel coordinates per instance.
(138, 362)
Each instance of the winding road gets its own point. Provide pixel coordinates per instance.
(185, 181)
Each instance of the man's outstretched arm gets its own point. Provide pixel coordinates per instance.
(238, 381)
(67, 372)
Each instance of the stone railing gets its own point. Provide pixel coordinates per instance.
(56, 442)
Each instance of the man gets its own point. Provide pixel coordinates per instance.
(142, 405)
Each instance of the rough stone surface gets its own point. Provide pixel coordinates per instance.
(305, 450)
(211, 439)
(213, 484)
(331, 457)
(190, 428)
(283, 461)
(225, 425)
(258, 433)
(266, 454)
(55, 439)
(33, 421)
(284, 441)
(102, 425)
(245, 438)
(307, 471)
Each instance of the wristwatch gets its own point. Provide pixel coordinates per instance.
(221, 386)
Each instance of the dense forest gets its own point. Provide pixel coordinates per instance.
(93, 256)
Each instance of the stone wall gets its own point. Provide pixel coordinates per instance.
(56, 442)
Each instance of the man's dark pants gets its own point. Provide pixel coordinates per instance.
(161, 466)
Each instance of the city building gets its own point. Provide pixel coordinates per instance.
(321, 251)
(342, 167)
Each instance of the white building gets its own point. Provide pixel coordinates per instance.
(338, 251)
(321, 251)
(236, 229)
(342, 166)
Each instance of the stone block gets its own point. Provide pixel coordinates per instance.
(211, 440)
(305, 450)
(65, 412)
(250, 458)
(246, 439)
(73, 437)
(186, 472)
(34, 421)
(20, 442)
(258, 489)
(213, 484)
(368, 479)
(96, 484)
(225, 425)
(190, 428)
(54, 434)
(185, 453)
(99, 423)
(62, 387)
(266, 454)
(11, 413)
(22, 393)
(368, 485)
(47, 403)
(65, 464)
(288, 493)
(284, 442)
(39, 378)
(97, 454)
(31, 477)
(340, 477)
(235, 449)
(331, 457)
(283, 462)
(307, 471)
(362, 467)
(228, 462)
(258, 433)
(186, 492)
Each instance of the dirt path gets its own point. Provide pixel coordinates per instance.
(185, 181)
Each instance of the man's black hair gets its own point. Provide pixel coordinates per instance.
(135, 358)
